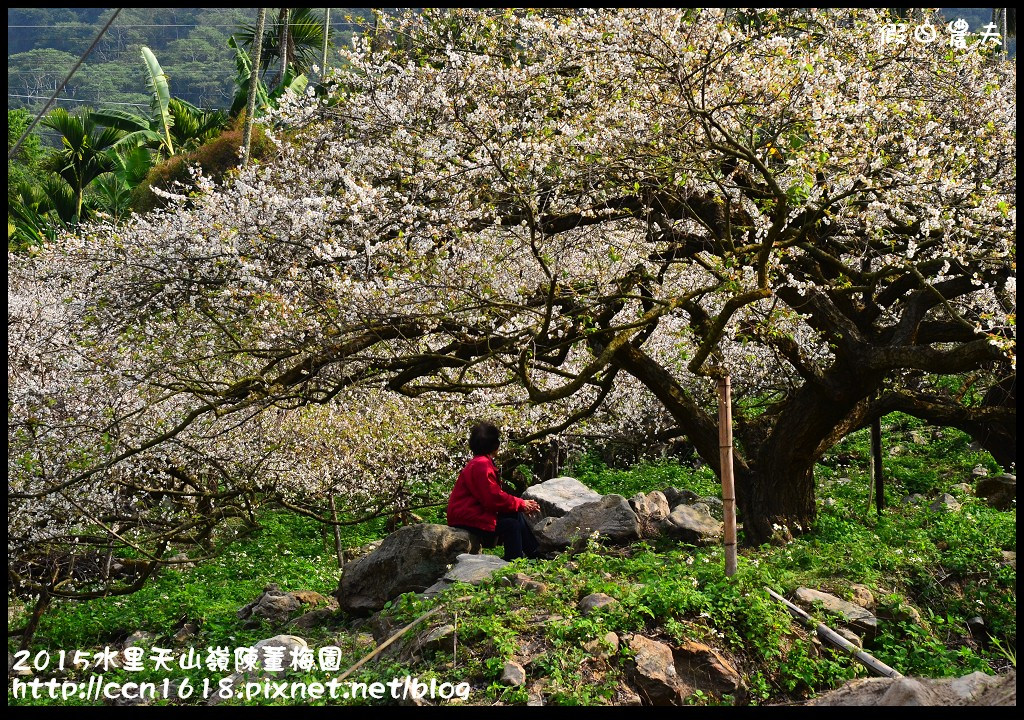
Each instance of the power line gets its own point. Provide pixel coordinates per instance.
(12, 27)
(101, 102)
(13, 151)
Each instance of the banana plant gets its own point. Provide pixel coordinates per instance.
(265, 99)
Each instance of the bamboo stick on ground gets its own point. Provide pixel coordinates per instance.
(828, 634)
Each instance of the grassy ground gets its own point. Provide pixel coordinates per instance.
(948, 567)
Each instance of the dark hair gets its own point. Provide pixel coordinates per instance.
(484, 438)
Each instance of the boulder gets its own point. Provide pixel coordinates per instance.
(312, 619)
(279, 647)
(277, 607)
(513, 674)
(700, 666)
(944, 503)
(976, 689)
(999, 491)
(595, 601)
(690, 525)
(610, 518)
(675, 496)
(854, 615)
(653, 672)
(651, 509)
(474, 569)
(410, 559)
(560, 495)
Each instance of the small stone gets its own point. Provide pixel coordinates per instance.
(1008, 557)
(311, 619)
(853, 637)
(595, 601)
(603, 647)
(965, 488)
(535, 695)
(913, 499)
(187, 632)
(918, 438)
(979, 471)
(513, 674)
(829, 502)
(524, 581)
(896, 450)
(976, 625)
(139, 638)
(944, 503)
(863, 596)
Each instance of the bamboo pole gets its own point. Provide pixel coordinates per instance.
(725, 462)
(254, 78)
(828, 634)
(338, 549)
(876, 465)
(323, 53)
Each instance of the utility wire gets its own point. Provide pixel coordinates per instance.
(13, 151)
(97, 102)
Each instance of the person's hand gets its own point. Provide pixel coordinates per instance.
(532, 507)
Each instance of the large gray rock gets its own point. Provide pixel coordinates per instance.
(560, 495)
(676, 496)
(409, 560)
(611, 518)
(975, 689)
(999, 491)
(690, 525)
(273, 657)
(651, 509)
(854, 615)
(474, 569)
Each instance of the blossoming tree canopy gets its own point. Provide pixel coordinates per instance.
(552, 218)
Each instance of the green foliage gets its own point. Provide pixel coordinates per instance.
(947, 567)
(216, 158)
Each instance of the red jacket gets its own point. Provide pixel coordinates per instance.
(477, 498)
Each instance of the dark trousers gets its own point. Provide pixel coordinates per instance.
(514, 533)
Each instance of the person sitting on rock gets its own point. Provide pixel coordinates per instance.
(479, 505)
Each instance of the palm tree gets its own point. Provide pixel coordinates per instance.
(305, 38)
(83, 155)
